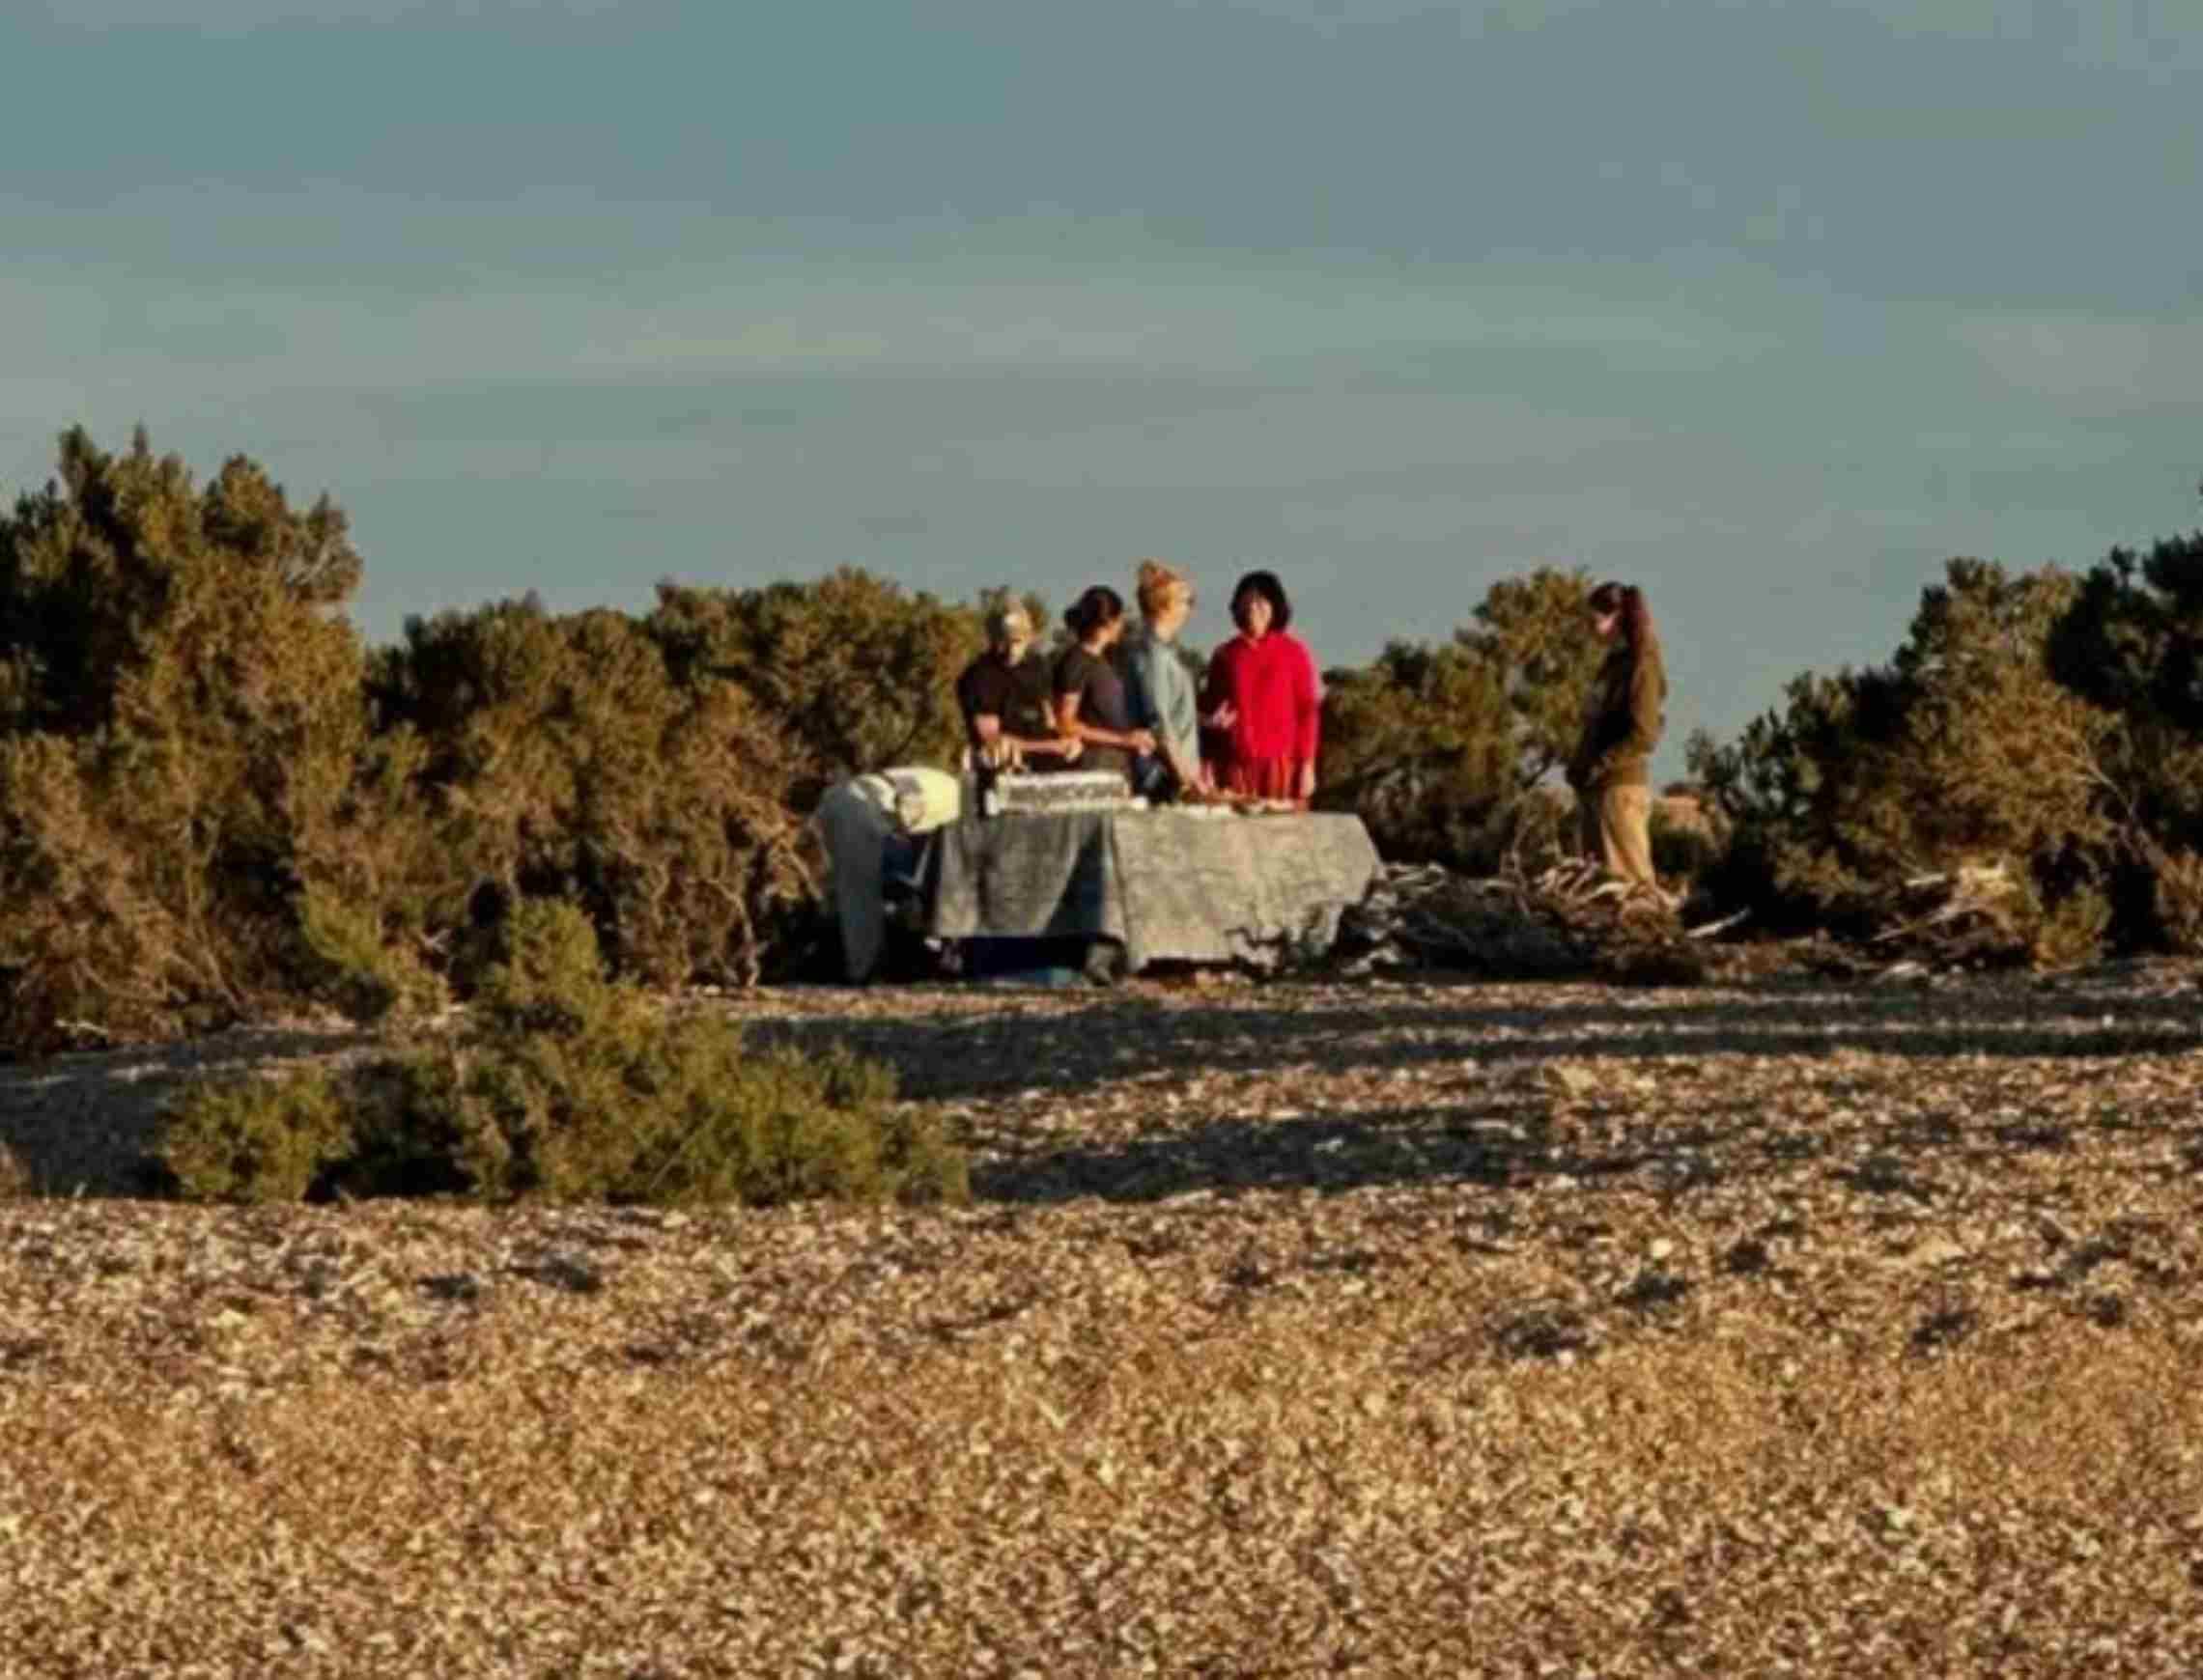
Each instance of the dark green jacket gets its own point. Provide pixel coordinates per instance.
(1623, 719)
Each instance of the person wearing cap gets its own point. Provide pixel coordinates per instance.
(1005, 700)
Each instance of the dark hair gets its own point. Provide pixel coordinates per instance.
(1100, 607)
(1627, 599)
(1266, 585)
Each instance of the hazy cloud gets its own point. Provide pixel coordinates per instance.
(2100, 364)
(236, 16)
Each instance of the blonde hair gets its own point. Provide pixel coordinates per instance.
(1157, 584)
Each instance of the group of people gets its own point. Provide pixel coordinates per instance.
(1130, 702)
(1250, 727)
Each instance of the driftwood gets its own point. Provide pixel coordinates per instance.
(1566, 922)
(1975, 915)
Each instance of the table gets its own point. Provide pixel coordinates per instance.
(1168, 885)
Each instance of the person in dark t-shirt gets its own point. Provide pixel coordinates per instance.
(1004, 698)
(1090, 695)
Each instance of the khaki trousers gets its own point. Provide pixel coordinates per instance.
(1617, 830)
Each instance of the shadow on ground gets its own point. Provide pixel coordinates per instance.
(1092, 1038)
(83, 1123)
(1491, 1119)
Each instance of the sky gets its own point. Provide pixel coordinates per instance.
(1770, 308)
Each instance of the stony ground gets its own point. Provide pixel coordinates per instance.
(1376, 1329)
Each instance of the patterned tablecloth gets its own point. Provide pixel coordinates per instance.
(1168, 885)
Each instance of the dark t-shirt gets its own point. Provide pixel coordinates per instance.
(1101, 703)
(1016, 694)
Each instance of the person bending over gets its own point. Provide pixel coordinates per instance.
(1262, 684)
(1003, 695)
(1623, 718)
(1090, 695)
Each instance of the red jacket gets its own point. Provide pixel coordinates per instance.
(1271, 683)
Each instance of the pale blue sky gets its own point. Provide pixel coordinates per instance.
(1769, 307)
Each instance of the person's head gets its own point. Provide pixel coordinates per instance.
(1166, 597)
(1619, 609)
(1258, 605)
(1097, 617)
(1009, 632)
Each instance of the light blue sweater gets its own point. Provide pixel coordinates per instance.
(1159, 692)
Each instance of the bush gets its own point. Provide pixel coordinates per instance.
(180, 721)
(360, 968)
(1685, 848)
(1962, 753)
(561, 758)
(852, 671)
(255, 1139)
(1437, 747)
(15, 1176)
(568, 1087)
(2177, 899)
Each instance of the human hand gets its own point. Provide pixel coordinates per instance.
(1223, 718)
(1073, 747)
(1142, 740)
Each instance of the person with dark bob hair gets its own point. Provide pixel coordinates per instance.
(1090, 705)
(1624, 714)
(1264, 695)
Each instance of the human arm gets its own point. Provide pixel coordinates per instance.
(994, 745)
(1629, 728)
(1214, 705)
(1067, 723)
(1308, 720)
(1007, 716)
(1066, 748)
(1160, 697)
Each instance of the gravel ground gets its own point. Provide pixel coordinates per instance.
(1385, 1328)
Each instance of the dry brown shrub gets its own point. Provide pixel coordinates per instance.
(2177, 883)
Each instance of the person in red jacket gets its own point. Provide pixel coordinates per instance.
(1264, 699)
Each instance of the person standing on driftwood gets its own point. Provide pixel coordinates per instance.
(1610, 770)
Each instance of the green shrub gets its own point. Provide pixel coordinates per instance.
(1962, 753)
(180, 721)
(2177, 899)
(1438, 747)
(357, 967)
(2069, 931)
(564, 758)
(548, 978)
(852, 671)
(255, 1139)
(567, 1087)
(1683, 850)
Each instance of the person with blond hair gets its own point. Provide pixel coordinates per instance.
(1624, 714)
(1159, 686)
